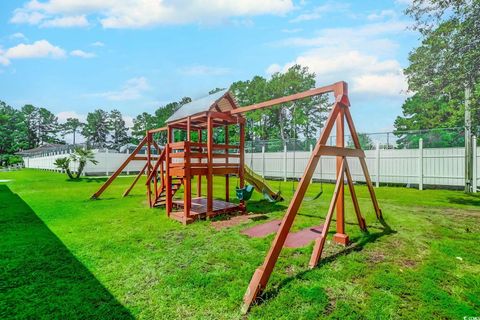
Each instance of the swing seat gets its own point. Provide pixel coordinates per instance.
(244, 193)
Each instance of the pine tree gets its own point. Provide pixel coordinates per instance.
(96, 129)
(119, 132)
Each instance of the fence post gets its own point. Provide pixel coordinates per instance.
(377, 165)
(263, 161)
(420, 164)
(106, 162)
(475, 166)
(311, 150)
(128, 169)
(285, 162)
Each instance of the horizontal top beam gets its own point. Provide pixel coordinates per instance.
(339, 89)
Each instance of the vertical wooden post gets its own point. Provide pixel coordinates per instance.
(149, 191)
(420, 164)
(199, 180)
(227, 177)
(340, 237)
(209, 165)
(168, 187)
(241, 169)
(187, 181)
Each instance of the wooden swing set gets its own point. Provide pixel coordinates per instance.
(339, 114)
(178, 162)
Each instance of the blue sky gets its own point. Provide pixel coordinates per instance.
(72, 56)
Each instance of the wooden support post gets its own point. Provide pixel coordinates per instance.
(320, 242)
(227, 177)
(209, 165)
(353, 194)
(149, 167)
(363, 163)
(241, 165)
(199, 180)
(187, 185)
(340, 237)
(168, 182)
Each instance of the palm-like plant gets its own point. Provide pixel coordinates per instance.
(64, 164)
(82, 156)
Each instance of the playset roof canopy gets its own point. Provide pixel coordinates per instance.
(221, 101)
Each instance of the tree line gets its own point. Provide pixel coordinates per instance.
(30, 126)
(443, 73)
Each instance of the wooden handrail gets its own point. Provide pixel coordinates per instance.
(160, 160)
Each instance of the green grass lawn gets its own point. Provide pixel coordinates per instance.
(64, 256)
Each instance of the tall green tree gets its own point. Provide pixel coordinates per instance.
(119, 132)
(30, 114)
(47, 127)
(304, 118)
(72, 126)
(13, 132)
(143, 122)
(96, 129)
(448, 59)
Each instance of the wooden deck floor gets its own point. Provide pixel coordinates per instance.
(199, 209)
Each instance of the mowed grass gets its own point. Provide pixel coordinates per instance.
(64, 256)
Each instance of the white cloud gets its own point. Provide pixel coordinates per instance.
(363, 56)
(38, 49)
(82, 54)
(274, 68)
(201, 70)
(131, 90)
(391, 83)
(66, 22)
(97, 44)
(319, 11)
(25, 16)
(144, 13)
(18, 36)
(382, 15)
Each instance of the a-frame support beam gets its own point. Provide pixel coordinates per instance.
(131, 157)
(127, 192)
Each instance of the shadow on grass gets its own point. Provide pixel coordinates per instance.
(468, 200)
(265, 206)
(41, 278)
(356, 246)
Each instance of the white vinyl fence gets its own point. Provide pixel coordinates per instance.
(413, 167)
